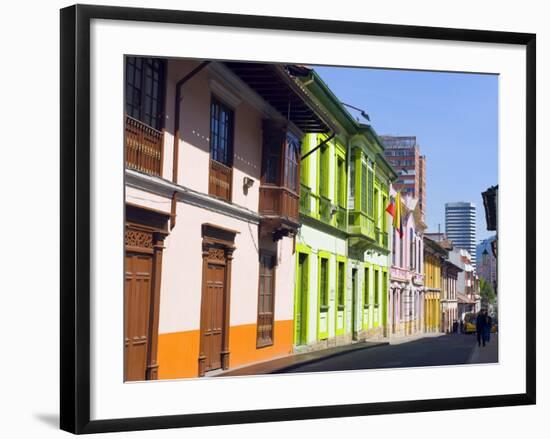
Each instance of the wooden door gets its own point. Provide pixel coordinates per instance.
(212, 330)
(300, 317)
(137, 311)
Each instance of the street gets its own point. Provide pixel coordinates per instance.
(446, 350)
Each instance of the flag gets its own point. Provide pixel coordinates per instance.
(391, 207)
(397, 224)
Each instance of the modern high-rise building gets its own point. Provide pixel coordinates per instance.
(460, 226)
(403, 153)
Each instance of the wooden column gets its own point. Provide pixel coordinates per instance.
(227, 303)
(202, 357)
(152, 365)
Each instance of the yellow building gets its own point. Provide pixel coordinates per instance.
(434, 255)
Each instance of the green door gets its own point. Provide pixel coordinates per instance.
(300, 311)
(354, 303)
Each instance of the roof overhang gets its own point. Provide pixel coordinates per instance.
(283, 91)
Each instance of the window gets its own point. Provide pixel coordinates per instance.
(366, 289)
(370, 192)
(364, 189)
(401, 251)
(280, 145)
(292, 157)
(376, 209)
(266, 292)
(394, 237)
(385, 283)
(341, 182)
(376, 287)
(341, 285)
(351, 200)
(323, 171)
(145, 90)
(221, 133)
(323, 285)
(272, 154)
(412, 256)
(384, 215)
(304, 171)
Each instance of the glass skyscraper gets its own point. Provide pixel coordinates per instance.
(460, 226)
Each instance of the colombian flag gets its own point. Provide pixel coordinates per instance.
(391, 207)
(394, 209)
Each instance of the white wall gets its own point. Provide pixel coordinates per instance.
(30, 35)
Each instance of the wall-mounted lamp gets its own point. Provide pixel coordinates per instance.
(247, 184)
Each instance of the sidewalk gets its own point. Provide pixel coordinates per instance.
(487, 354)
(281, 364)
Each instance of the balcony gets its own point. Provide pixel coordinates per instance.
(143, 147)
(362, 231)
(361, 224)
(279, 202)
(305, 200)
(220, 180)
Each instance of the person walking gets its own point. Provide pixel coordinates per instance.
(481, 324)
(461, 326)
(455, 327)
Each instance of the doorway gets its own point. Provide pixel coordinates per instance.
(300, 314)
(217, 252)
(354, 303)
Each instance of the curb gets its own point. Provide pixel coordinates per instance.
(315, 360)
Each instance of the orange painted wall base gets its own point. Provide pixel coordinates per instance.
(178, 352)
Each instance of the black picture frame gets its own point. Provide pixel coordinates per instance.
(75, 217)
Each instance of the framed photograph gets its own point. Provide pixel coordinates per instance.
(275, 218)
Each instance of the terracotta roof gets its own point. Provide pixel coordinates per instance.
(462, 298)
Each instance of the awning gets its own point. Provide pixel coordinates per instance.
(277, 85)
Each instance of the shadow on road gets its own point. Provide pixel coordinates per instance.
(447, 350)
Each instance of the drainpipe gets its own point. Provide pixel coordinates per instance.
(177, 105)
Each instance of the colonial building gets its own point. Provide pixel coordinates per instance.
(468, 299)
(212, 199)
(434, 257)
(342, 248)
(449, 273)
(406, 294)
(449, 299)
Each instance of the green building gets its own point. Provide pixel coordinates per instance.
(342, 248)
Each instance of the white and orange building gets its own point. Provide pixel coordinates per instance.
(212, 210)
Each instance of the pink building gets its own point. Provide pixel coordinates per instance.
(406, 294)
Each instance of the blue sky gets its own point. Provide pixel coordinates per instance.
(454, 117)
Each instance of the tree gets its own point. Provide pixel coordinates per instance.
(486, 292)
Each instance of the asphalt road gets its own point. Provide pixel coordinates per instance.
(430, 351)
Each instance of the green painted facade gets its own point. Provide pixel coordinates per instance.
(344, 232)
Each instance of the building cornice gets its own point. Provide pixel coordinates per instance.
(165, 188)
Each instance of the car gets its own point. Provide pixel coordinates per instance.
(470, 327)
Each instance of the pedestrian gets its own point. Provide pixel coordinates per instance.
(461, 326)
(481, 324)
(488, 327)
(455, 327)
